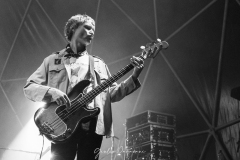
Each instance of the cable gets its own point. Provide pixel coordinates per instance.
(42, 147)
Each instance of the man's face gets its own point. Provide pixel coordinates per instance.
(84, 33)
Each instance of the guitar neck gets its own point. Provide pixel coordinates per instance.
(151, 50)
(97, 90)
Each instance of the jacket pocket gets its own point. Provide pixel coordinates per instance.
(101, 76)
(57, 74)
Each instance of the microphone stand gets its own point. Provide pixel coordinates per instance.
(112, 147)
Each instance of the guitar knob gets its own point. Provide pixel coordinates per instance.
(64, 135)
(69, 130)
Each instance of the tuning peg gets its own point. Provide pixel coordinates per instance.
(159, 40)
(142, 47)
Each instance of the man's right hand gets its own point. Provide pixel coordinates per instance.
(60, 97)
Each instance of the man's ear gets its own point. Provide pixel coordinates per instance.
(71, 34)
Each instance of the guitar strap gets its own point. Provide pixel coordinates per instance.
(91, 68)
(93, 122)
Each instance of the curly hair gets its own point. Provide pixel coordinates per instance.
(73, 23)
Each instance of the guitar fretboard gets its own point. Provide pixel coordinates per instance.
(93, 93)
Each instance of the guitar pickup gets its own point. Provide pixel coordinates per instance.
(46, 128)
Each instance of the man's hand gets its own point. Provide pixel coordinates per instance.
(60, 97)
(138, 64)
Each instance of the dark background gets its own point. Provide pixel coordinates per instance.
(193, 29)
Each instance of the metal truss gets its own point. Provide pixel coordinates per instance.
(213, 131)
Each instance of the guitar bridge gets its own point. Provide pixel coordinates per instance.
(46, 128)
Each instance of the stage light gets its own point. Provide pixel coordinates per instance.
(27, 144)
(39, 104)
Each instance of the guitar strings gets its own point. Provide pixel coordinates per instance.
(88, 99)
(120, 72)
(91, 96)
(75, 105)
(75, 108)
(58, 116)
(107, 82)
(72, 110)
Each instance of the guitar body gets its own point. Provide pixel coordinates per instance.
(56, 123)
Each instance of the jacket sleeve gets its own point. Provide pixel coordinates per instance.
(119, 91)
(35, 88)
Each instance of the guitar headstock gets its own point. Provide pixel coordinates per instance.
(152, 49)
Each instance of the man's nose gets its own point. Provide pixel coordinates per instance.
(91, 32)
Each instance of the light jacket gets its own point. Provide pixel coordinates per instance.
(52, 73)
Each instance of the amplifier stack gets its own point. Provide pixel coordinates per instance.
(151, 136)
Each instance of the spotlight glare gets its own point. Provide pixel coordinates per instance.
(39, 104)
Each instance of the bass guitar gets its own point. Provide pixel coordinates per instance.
(58, 124)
